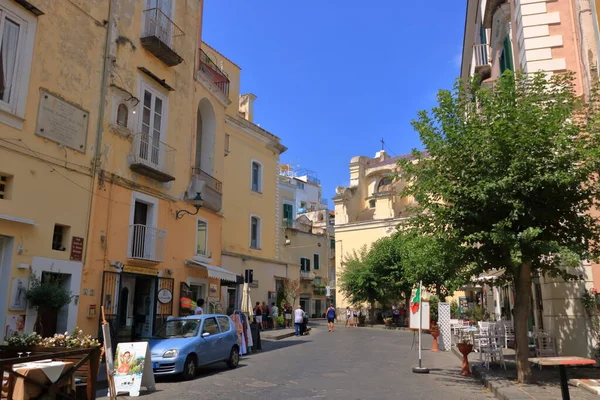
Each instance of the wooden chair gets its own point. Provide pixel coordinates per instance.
(8, 386)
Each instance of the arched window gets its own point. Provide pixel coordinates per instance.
(384, 185)
(122, 115)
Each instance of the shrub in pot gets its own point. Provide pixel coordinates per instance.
(47, 296)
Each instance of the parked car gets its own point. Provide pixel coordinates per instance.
(183, 344)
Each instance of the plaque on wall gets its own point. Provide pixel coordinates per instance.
(62, 122)
(76, 248)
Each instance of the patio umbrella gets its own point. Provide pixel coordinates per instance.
(246, 306)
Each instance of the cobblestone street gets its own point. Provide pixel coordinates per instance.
(356, 363)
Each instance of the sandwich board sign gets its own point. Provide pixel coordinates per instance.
(415, 317)
(133, 368)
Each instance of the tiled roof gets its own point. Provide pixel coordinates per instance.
(394, 160)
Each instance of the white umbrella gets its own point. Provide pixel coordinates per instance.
(246, 306)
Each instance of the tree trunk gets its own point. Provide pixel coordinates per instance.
(522, 310)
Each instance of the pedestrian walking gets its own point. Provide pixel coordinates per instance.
(265, 314)
(287, 311)
(258, 314)
(199, 310)
(330, 317)
(298, 320)
(348, 316)
(274, 314)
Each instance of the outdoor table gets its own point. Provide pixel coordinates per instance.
(39, 375)
(562, 363)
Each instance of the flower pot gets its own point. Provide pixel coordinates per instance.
(435, 333)
(465, 349)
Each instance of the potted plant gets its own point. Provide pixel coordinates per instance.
(47, 296)
(388, 322)
(434, 330)
(465, 346)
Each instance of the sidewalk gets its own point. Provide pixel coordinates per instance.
(547, 381)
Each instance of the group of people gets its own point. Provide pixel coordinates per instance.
(267, 316)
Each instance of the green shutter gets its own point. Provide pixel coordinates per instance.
(482, 36)
(506, 58)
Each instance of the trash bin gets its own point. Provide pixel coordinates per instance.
(255, 331)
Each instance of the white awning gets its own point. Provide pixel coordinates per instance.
(213, 270)
(490, 275)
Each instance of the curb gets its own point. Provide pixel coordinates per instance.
(283, 335)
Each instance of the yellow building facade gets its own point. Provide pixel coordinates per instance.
(50, 84)
(251, 223)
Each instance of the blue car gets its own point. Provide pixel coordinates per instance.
(181, 345)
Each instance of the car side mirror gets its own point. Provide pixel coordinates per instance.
(205, 334)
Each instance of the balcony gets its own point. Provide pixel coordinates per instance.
(146, 243)
(152, 158)
(213, 73)
(289, 223)
(161, 37)
(482, 60)
(212, 193)
(307, 275)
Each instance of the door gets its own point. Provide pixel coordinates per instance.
(111, 288)
(159, 19)
(164, 306)
(140, 220)
(143, 307)
(152, 122)
(208, 351)
(305, 305)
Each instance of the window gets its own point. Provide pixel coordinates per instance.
(5, 184)
(317, 261)
(300, 185)
(317, 281)
(153, 113)
(59, 237)
(224, 323)
(372, 203)
(17, 36)
(384, 185)
(210, 326)
(304, 264)
(255, 232)
(288, 215)
(332, 244)
(226, 144)
(303, 205)
(122, 115)
(202, 238)
(256, 176)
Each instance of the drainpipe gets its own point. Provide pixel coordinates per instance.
(107, 59)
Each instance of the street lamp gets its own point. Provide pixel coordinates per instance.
(196, 202)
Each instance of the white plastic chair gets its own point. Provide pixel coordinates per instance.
(509, 333)
(491, 352)
(545, 345)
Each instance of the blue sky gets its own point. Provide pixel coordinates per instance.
(333, 77)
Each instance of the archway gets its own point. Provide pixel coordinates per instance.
(206, 127)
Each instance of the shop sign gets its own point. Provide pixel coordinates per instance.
(130, 269)
(76, 248)
(254, 284)
(164, 296)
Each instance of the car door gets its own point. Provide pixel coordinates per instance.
(209, 339)
(225, 342)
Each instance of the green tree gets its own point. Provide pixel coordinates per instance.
(511, 174)
(359, 281)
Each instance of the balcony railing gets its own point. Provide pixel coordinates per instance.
(319, 291)
(482, 60)
(214, 73)
(162, 37)
(153, 158)
(307, 275)
(146, 243)
(212, 194)
(289, 223)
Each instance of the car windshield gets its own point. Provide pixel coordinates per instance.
(178, 329)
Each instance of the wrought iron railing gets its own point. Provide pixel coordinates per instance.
(149, 151)
(214, 73)
(481, 54)
(158, 24)
(211, 182)
(146, 243)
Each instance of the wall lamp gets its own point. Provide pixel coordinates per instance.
(196, 202)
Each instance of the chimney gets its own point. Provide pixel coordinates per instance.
(247, 106)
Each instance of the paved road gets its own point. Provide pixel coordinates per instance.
(348, 364)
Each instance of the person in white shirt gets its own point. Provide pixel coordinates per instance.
(298, 319)
(199, 310)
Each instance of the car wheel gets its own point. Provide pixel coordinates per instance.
(189, 368)
(234, 358)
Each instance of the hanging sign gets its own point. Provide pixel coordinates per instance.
(133, 368)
